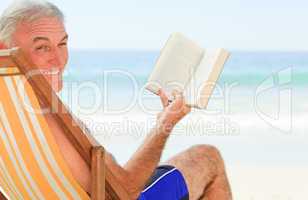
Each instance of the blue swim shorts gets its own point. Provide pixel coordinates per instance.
(166, 183)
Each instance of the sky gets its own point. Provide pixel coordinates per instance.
(268, 25)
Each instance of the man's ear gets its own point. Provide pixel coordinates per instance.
(2, 45)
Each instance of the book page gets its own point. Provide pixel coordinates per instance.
(175, 65)
(201, 85)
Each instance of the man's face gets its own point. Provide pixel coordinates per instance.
(45, 41)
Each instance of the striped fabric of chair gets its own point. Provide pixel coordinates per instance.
(31, 164)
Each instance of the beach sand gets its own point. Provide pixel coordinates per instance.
(268, 182)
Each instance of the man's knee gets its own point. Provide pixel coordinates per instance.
(208, 154)
(209, 150)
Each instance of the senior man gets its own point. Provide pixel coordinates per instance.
(197, 173)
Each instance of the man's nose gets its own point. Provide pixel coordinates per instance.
(57, 60)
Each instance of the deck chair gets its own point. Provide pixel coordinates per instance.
(31, 164)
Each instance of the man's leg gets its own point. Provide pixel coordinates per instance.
(203, 169)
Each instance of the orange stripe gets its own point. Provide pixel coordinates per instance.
(6, 187)
(11, 168)
(38, 174)
(27, 152)
(9, 71)
(37, 140)
(20, 138)
(54, 146)
(7, 181)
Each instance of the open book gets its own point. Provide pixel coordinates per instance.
(187, 68)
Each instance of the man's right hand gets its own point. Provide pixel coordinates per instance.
(172, 112)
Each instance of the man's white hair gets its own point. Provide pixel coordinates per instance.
(25, 11)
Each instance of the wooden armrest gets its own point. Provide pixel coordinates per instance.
(104, 184)
(98, 173)
(114, 190)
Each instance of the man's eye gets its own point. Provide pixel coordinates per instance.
(43, 48)
(63, 44)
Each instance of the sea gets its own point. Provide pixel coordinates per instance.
(257, 114)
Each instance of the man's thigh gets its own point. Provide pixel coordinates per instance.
(199, 165)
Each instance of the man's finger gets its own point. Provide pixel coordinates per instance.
(163, 98)
(178, 103)
(186, 109)
(176, 93)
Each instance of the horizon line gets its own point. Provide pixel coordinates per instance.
(229, 49)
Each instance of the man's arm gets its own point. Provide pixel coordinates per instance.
(140, 167)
